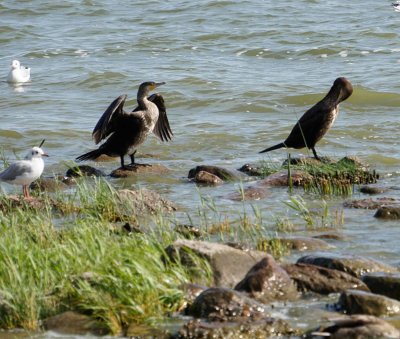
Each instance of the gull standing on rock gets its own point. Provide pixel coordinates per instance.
(24, 172)
(18, 74)
(128, 130)
(314, 123)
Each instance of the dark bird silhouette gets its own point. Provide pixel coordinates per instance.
(128, 130)
(314, 123)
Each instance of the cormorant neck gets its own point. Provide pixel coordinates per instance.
(334, 95)
(142, 98)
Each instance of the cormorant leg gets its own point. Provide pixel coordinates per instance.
(315, 154)
(133, 158)
(122, 161)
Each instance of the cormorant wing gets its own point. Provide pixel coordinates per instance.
(308, 128)
(106, 124)
(162, 128)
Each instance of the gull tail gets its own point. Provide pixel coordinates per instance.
(92, 155)
(273, 147)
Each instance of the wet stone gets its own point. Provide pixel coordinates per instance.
(368, 189)
(74, 323)
(267, 281)
(388, 213)
(330, 236)
(279, 179)
(224, 304)
(222, 173)
(250, 193)
(322, 280)
(298, 243)
(252, 170)
(354, 265)
(259, 329)
(84, 170)
(387, 284)
(361, 302)
(206, 178)
(356, 327)
(133, 170)
(371, 204)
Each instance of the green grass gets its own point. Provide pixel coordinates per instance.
(46, 259)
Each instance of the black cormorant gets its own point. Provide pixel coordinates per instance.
(314, 123)
(128, 130)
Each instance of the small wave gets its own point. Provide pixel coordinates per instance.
(96, 80)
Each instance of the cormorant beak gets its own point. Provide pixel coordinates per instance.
(159, 84)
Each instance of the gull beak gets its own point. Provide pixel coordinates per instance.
(45, 155)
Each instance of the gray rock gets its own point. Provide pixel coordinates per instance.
(229, 265)
(354, 265)
(74, 323)
(371, 204)
(356, 327)
(322, 280)
(267, 281)
(387, 284)
(388, 213)
(361, 302)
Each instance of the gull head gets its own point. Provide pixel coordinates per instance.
(35, 152)
(15, 64)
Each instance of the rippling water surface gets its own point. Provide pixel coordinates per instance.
(239, 74)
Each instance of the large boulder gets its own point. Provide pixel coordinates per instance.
(322, 280)
(354, 265)
(387, 284)
(361, 302)
(267, 281)
(356, 327)
(228, 264)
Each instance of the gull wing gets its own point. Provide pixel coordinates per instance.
(106, 124)
(16, 170)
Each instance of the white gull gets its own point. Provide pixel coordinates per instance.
(18, 74)
(24, 172)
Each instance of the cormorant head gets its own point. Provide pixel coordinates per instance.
(149, 86)
(344, 87)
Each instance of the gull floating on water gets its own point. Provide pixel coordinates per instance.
(126, 131)
(24, 172)
(396, 6)
(18, 74)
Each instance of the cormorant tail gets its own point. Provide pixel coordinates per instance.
(90, 155)
(273, 147)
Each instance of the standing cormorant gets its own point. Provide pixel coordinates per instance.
(128, 130)
(314, 123)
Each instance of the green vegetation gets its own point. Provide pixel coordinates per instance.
(51, 262)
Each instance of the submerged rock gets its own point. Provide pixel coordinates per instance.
(207, 178)
(84, 170)
(354, 265)
(368, 189)
(372, 204)
(142, 201)
(267, 281)
(388, 213)
(263, 328)
(252, 170)
(48, 185)
(322, 280)
(387, 284)
(74, 323)
(297, 243)
(133, 170)
(222, 173)
(229, 265)
(281, 178)
(250, 193)
(361, 302)
(356, 327)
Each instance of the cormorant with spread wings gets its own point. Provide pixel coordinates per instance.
(126, 131)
